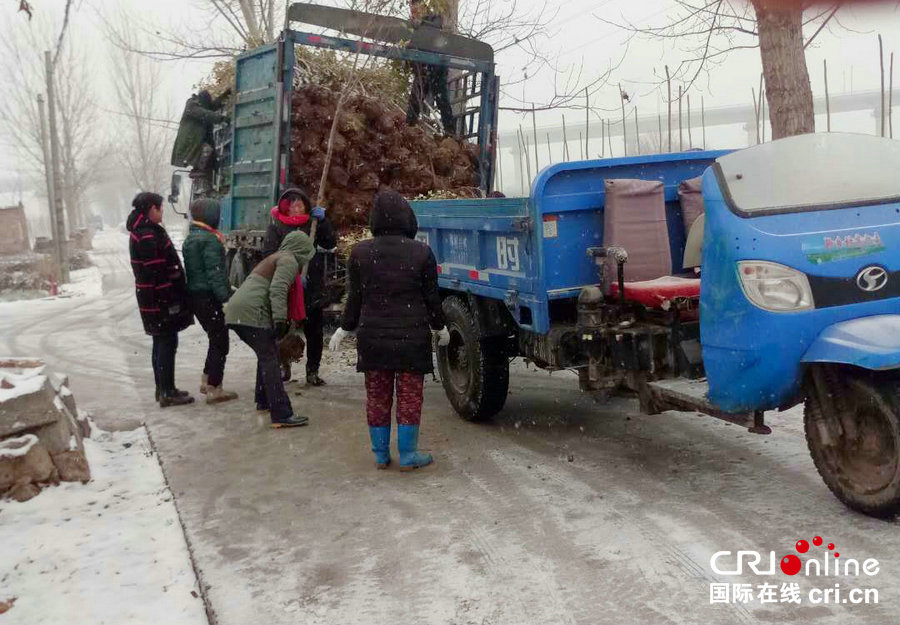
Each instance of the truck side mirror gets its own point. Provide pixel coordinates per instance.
(176, 188)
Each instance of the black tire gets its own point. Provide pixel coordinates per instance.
(236, 266)
(862, 469)
(474, 372)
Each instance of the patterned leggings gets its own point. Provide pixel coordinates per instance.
(380, 397)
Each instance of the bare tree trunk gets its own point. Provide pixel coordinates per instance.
(690, 132)
(624, 127)
(669, 104)
(603, 132)
(637, 132)
(891, 99)
(537, 162)
(659, 123)
(756, 102)
(565, 140)
(527, 155)
(827, 100)
(249, 13)
(680, 126)
(881, 68)
(703, 120)
(788, 91)
(587, 122)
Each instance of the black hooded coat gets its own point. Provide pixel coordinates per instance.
(159, 278)
(393, 301)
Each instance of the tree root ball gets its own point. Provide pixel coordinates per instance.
(374, 147)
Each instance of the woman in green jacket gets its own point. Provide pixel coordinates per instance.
(258, 313)
(208, 290)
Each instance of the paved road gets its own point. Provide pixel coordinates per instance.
(558, 511)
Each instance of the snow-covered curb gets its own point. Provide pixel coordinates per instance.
(111, 551)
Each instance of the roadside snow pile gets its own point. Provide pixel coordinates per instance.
(84, 282)
(41, 430)
(373, 147)
(111, 551)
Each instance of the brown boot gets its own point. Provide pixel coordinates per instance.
(216, 395)
(204, 384)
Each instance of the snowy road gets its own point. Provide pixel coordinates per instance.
(559, 511)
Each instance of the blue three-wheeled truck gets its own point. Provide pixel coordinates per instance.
(724, 283)
(729, 283)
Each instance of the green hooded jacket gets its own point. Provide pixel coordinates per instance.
(204, 254)
(195, 128)
(262, 300)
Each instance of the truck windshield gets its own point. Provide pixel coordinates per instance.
(811, 172)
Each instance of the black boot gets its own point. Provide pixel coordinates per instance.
(174, 398)
(290, 422)
(179, 393)
(313, 379)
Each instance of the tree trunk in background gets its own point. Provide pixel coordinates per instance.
(788, 91)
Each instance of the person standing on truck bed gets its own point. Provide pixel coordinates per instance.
(194, 145)
(429, 81)
(258, 314)
(393, 306)
(208, 289)
(295, 212)
(159, 284)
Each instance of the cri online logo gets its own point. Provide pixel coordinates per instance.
(831, 563)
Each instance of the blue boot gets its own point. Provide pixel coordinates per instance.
(381, 445)
(407, 443)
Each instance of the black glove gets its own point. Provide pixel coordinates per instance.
(281, 329)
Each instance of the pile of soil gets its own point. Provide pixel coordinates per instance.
(373, 147)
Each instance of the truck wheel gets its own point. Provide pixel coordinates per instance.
(474, 372)
(862, 466)
(237, 268)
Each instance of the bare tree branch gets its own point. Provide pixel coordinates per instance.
(62, 31)
(822, 25)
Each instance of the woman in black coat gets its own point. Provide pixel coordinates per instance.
(161, 289)
(295, 212)
(393, 306)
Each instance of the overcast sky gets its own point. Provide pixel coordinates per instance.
(577, 39)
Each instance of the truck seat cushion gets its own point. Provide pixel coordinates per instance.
(658, 293)
(634, 217)
(691, 197)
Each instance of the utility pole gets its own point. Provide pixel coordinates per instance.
(51, 191)
(54, 158)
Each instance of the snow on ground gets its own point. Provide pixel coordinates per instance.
(111, 551)
(84, 282)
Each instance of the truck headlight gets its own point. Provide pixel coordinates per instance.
(775, 287)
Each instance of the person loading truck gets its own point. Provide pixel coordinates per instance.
(429, 81)
(194, 145)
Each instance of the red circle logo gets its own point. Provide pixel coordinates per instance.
(791, 565)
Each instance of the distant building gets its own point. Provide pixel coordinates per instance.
(13, 230)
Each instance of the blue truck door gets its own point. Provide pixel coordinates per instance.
(258, 149)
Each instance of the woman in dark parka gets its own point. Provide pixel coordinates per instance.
(393, 306)
(159, 283)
